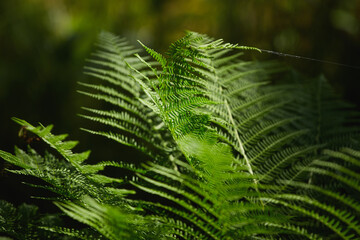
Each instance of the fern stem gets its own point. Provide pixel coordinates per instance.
(241, 146)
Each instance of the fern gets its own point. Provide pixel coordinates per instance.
(227, 153)
(22, 223)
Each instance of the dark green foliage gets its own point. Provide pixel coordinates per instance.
(22, 222)
(226, 153)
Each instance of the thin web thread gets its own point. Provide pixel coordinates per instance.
(307, 58)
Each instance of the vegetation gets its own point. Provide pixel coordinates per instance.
(230, 149)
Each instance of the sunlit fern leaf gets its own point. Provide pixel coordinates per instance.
(56, 142)
(112, 222)
(130, 116)
(237, 88)
(254, 103)
(206, 206)
(96, 216)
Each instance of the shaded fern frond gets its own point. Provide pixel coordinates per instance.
(24, 221)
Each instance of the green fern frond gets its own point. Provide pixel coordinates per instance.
(56, 142)
(231, 155)
(111, 222)
(25, 222)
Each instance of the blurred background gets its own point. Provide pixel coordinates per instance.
(44, 44)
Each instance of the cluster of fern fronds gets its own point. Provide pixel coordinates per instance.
(227, 152)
